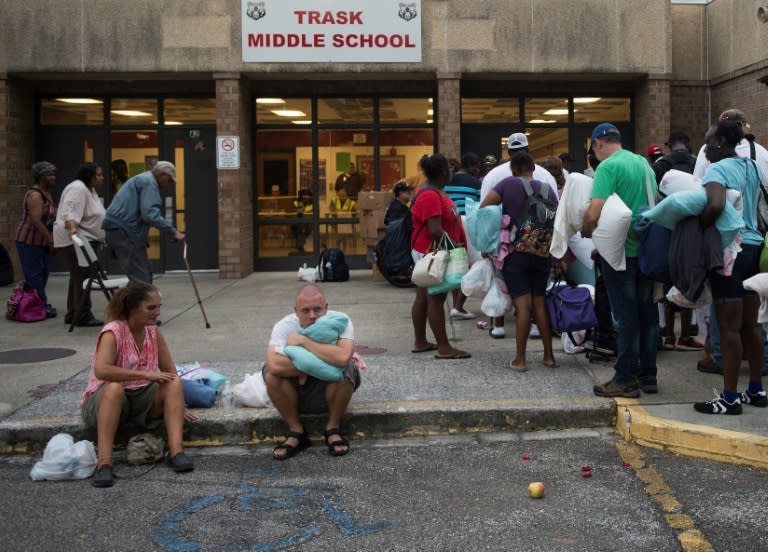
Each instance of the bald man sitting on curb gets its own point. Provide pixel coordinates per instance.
(293, 392)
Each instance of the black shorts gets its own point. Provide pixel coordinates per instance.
(731, 287)
(312, 393)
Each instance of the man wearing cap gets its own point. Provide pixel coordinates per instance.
(136, 207)
(630, 293)
(654, 153)
(517, 142)
(679, 158)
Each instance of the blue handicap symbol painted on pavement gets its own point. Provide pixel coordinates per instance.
(170, 536)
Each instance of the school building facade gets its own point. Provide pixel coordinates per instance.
(255, 101)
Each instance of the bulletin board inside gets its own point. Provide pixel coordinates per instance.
(391, 169)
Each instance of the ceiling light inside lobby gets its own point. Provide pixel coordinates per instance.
(585, 100)
(302, 122)
(270, 101)
(131, 113)
(79, 101)
(556, 111)
(289, 113)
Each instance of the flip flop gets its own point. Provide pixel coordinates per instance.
(455, 356)
(430, 347)
(509, 366)
(555, 364)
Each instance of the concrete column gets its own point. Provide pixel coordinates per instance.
(652, 113)
(17, 153)
(449, 114)
(234, 114)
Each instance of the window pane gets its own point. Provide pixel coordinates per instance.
(546, 142)
(133, 111)
(341, 152)
(405, 110)
(598, 110)
(401, 151)
(72, 111)
(490, 110)
(546, 110)
(345, 110)
(272, 111)
(187, 111)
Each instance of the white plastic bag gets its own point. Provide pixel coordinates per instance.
(676, 296)
(496, 301)
(65, 459)
(252, 392)
(307, 274)
(569, 346)
(477, 280)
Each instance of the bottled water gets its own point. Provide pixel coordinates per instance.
(227, 395)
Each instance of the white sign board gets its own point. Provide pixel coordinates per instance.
(337, 31)
(227, 152)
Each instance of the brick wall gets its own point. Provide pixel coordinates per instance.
(652, 108)
(17, 149)
(742, 90)
(235, 191)
(689, 110)
(449, 114)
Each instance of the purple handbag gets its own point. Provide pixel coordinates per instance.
(25, 305)
(570, 308)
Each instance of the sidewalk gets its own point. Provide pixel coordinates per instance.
(402, 393)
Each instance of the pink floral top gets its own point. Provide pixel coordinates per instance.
(128, 355)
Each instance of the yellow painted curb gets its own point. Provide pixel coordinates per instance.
(638, 426)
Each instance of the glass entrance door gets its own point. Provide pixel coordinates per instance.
(191, 205)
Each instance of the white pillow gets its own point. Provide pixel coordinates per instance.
(611, 232)
(675, 181)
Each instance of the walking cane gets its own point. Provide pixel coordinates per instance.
(194, 285)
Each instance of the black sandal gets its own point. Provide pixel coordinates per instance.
(290, 450)
(342, 442)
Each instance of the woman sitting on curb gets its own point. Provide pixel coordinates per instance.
(133, 379)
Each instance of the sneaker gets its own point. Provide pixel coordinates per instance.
(649, 385)
(462, 315)
(718, 405)
(534, 331)
(755, 399)
(708, 366)
(668, 344)
(629, 390)
(497, 333)
(689, 344)
(50, 311)
(103, 476)
(180, 463)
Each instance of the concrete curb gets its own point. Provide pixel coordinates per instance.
(638, 426)
(241, 426)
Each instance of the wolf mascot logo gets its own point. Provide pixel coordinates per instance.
(407, 11)
(256, 10)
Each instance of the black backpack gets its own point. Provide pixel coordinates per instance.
(393, 251)
(332, 266)
(679, 160)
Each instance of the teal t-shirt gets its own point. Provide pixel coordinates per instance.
(740, 174)
(628, 175)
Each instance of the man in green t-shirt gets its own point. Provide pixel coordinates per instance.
(630, 292)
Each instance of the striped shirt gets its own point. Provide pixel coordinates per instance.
(26, 232)
(128, 356)
(462, 186)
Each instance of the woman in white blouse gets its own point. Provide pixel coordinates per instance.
(80, 212)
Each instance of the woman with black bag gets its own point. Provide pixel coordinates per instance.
(525, 274)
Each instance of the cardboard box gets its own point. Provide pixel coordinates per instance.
(371, 224)
(374, 201)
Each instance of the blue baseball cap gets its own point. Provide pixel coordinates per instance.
(605, 129)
